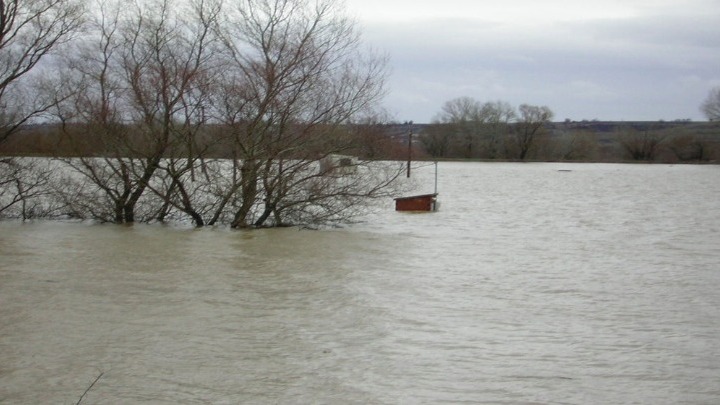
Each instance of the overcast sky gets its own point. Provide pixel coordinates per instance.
(585, 59)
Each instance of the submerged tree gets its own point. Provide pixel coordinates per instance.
(141, 81)
(295, 77)
(30, 31)
(243, 119)
(26, 188)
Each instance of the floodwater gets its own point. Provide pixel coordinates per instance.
(532, 284)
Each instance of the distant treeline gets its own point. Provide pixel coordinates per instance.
(581, 141)
(367, 141)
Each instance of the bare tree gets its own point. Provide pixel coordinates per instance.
(711, 106)
(165, 51)
(642, 144)
(25, 185)
(465, 118)
(29, 32)
(192, 81)
(497, 116)
(95, 115)
(468, 128)
(142, 82)
(573, 145)
(436, 140)
(165, 89)
(528, 129)
(295, 77)
(690, 148)
(371, 133)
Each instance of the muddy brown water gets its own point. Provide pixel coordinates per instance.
(532, 284)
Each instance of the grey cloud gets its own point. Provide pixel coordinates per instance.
(643, 68)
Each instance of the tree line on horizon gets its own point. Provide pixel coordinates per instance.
(466, 128)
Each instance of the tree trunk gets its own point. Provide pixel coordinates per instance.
(129, 209)
(269, 209)
(248, 180)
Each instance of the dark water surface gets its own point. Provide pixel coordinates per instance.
(531, 285)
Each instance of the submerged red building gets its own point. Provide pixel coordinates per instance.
(424, 202)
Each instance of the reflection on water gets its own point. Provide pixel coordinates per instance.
(531, 285)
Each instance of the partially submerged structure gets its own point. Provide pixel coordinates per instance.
(423, 202)
(338, 164)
